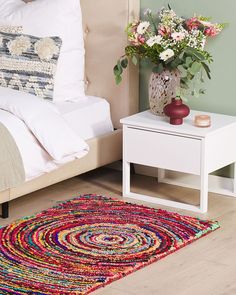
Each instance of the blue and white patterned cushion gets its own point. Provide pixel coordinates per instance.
(28, 63)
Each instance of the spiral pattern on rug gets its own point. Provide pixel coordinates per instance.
(87, 243)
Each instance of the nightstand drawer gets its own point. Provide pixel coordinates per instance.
(162, 150)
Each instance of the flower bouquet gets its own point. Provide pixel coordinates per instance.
(174, 44)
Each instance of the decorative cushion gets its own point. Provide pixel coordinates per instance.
(11, 29)
(43, 18)
(28, 63)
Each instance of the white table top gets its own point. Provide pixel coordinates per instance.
(150, 121)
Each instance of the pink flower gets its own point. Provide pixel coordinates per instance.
(192, 23)
(211, 31)
(137, 39)
(164, 31)
(178, 36)
(141, 39)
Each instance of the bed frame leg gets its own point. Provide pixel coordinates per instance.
(5, 210)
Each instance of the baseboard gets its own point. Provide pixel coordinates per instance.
(147, 171)
(139, 169)
(217, 184)
(115, 166)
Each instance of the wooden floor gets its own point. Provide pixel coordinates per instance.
(206, 267)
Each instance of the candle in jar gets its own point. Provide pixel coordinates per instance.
(202, 121)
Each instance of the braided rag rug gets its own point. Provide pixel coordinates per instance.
(87, 243)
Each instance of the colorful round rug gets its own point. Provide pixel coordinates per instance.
(88, 242)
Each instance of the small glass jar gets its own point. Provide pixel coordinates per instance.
(202, 121)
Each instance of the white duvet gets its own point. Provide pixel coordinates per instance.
(42, 135)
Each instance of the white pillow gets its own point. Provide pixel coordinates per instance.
(61, 18)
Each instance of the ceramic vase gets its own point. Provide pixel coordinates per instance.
(176, 111)
(162, 88)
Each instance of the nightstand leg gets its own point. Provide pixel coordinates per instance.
(204, 193)
(126, 178)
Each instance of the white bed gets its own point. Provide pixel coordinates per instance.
(89, 118)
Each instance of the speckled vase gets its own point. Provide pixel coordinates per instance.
(162, 88)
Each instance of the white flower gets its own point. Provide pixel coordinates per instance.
(142, 27)
(19, 45)
(167, 54)
(154, 40)
(46, 48)
(192, 42)
(178, 36)
(203, 43)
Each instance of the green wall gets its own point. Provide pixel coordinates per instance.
(221, 90)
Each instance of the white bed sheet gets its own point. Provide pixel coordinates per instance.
(89, 118)
(35, 159)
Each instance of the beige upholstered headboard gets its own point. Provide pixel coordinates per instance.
(105, 40)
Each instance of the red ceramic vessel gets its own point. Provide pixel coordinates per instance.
(176, 110)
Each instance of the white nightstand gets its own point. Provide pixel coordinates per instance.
(151, 141)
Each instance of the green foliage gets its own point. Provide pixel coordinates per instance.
(207, 69)
(153, 23)
(204, 18)
(124, 63)
(190, 62)
(158, 69)
(195, 68)
(118, 69)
